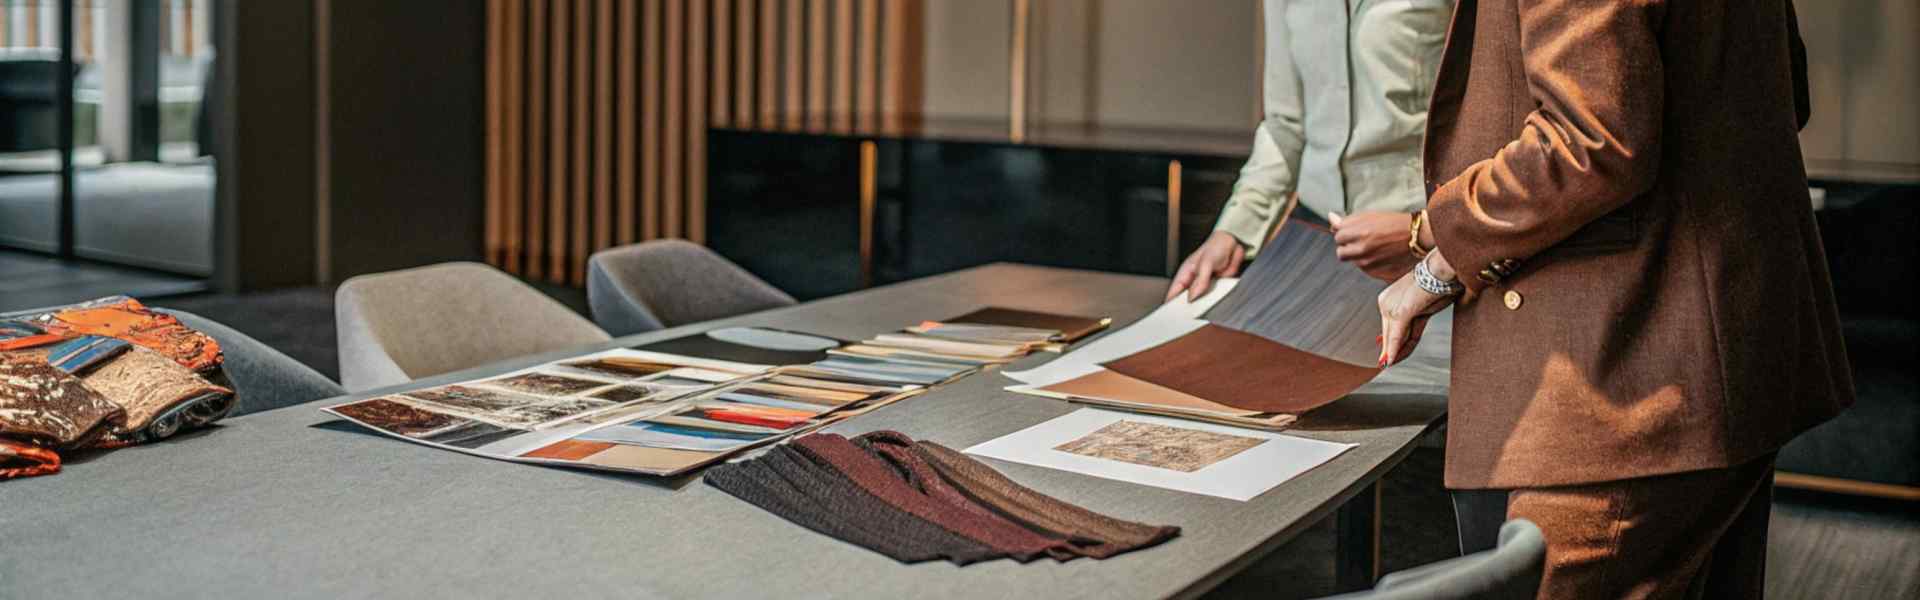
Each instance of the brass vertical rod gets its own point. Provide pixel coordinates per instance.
(868, 166)
(1173, 216)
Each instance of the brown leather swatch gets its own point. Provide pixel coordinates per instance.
(1243, 370)
(1070, 327)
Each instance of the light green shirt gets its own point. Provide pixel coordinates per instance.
(1346, 87)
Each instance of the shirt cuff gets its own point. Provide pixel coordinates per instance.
(1243, 219)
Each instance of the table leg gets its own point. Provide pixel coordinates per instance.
(1356, 560)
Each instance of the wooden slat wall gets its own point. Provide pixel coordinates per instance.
(597, 110)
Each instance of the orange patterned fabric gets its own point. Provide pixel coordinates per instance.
(21, 460)
(130, 320)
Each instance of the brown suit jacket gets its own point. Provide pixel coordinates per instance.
(1620, 184)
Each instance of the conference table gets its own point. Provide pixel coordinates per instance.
(293, 503)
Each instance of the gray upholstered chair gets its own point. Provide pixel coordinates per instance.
(663, 283)
(1511, 570)
(404, 325)
(262, 377)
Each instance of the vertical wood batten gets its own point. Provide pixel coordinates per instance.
(671, 199)
(536, 136)
(496, 21)
(816, 106)
(743, 63)
(511, 154)
(598, 110)
(769, 95)
(792, 54)
(650, 122)
(842, 102)
(575, 260)
(603, 126)
(556, 200)
(722, 76)
(868, 70)
(624, 177)
(696, 129)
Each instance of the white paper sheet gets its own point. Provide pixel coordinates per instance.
(1173, 319)
(1240, 476)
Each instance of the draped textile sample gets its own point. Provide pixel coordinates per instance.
(47, 407)
(147, 384)
(918, 501)
(128, 319)
(1244, 371)
(22, 460)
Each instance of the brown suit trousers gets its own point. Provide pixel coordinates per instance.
(1701, 534)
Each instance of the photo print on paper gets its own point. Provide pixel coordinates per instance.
(545, 384)
(1160, 446)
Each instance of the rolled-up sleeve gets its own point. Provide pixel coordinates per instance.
(1593, 144)
(1268, 178)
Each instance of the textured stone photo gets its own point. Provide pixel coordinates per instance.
(398, 418)
(545, 384)
(1162, 446)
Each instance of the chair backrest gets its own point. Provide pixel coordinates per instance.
(1510, 571)
(263, 378)
(404, 325)
(664, 283)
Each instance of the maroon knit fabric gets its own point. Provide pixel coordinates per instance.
(897, 450)
(879, 478)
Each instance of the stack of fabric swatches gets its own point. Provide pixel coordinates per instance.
(918, 501)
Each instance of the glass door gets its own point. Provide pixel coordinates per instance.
(105, 131)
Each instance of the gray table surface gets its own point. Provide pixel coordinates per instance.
(294, 504)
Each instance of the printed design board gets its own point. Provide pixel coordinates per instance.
(1199, 458)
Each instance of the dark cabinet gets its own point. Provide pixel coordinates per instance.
(789, 206)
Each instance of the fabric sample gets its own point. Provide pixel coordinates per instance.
(1298, 293)
(16, 335)
(1071, 328)
(1244, 370)
(794, 487)
(84, 352)
(755, 346)
(147, 385)
(46, 407)
(1040, 511)
(915, 501)
(875, 475)
(21, 460)
(129, 320)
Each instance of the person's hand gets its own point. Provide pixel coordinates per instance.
(1404, 309)
(1218, 257)
(1374, 241)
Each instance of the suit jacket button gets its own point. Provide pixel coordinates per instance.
(1513, 300)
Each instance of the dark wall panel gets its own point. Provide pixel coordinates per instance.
(404, 97)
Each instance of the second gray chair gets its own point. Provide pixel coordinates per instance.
(404, 325)
(262, 377)
(1509, 571)
(663, 283)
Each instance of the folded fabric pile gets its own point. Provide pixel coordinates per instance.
(919, 501)
(102, 374)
